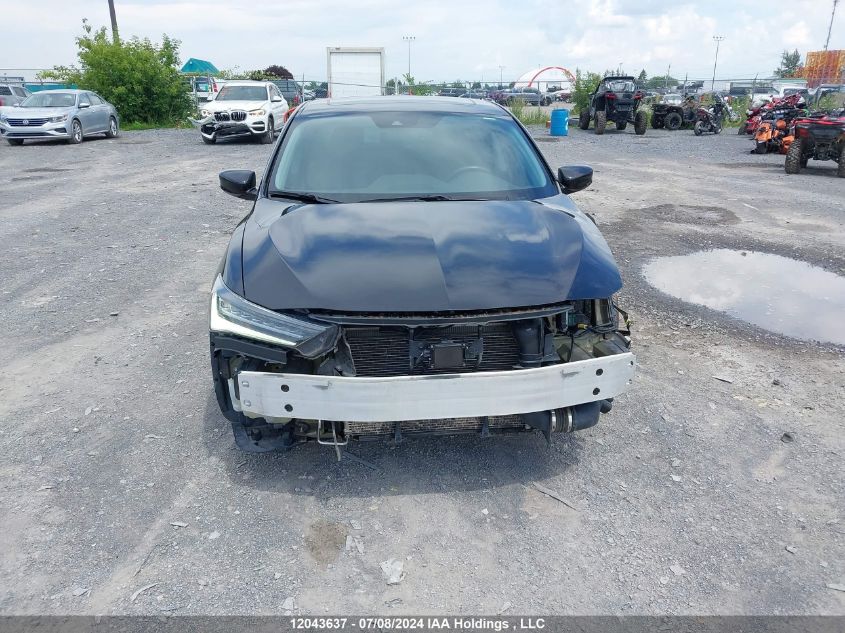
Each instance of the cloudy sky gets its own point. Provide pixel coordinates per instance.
(467, 39)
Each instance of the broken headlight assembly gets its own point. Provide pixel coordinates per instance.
(232, 314)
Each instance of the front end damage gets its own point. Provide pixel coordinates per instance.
(333, 378)
(237, 123)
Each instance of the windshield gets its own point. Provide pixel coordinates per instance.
(242, 93)
(620, 86)
(50, 100)
(388, 155)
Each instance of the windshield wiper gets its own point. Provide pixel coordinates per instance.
(432, 198)
(310, 198)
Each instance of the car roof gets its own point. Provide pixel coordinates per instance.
(246, 82)
(75, 91)
(402, 103)
(611, 77)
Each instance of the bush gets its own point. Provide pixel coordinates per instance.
(141, 79)
(585, 83)
(527, 116)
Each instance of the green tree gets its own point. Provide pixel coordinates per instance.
(789, 64)
(642, 78)
(661, 81)
(585, 83)
(278, 72)
(139, 77)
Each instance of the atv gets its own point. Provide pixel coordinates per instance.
(819, 136)
(673, 116)
(775, 132)
(615, 99)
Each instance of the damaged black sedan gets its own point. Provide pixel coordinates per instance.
(413, 266)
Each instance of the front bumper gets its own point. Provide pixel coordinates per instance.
(209, 127)
(48, 130)
(402, 398)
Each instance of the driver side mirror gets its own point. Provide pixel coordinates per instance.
(575, 177)
(210, 98)
(275, 99)
(239, 183)
(84, 105)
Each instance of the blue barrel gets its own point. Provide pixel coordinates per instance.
(560, 122)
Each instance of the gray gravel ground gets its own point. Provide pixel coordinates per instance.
(120, 473)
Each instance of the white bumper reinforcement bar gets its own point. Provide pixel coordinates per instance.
(397, 398)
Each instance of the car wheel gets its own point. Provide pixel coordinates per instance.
(15, 141)
(673, 121)
(640, 123)
(76, 134)
(656, 122)
(698, 130)
(584, 120)
(113, 130)
(841, 171)
(794, 157)
(270, 134)
(601, 121)
(209, 141)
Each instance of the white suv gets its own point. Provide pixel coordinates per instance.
(243, 108)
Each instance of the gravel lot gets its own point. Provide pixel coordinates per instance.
(119, 472)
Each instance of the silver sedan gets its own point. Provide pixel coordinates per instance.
(66, 114)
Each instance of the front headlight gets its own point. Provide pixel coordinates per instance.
(232, 314)
(2, 117)
(256, 112)
(205, 112)
(58, 119)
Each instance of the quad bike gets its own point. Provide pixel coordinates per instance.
(710, 119)
(820, 137)
(755, 116)
(615, 99)
(775, 133)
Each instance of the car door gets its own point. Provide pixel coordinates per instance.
(100, 110)
(278, 108)
(85, 114)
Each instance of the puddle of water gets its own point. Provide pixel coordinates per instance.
(779, 294)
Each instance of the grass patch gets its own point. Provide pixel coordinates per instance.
(526, 115)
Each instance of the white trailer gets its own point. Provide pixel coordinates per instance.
(355, 72)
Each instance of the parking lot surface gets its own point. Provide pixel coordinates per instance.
(122, 491)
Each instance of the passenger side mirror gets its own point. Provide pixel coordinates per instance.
(84, 105)
(575, 177)
(276, 99)
(239, 183)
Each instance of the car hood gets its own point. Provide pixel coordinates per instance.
(220, 106)
(35, 113)
(423, 256)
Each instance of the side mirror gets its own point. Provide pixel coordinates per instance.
(84, 105)
(210, 98)
(575, 177)
(239, 183)
(276, 99)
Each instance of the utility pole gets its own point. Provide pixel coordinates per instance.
(666, 78)
(409, 39)
(718, 39)
(114, 35)
(832, 13)
(501, 68)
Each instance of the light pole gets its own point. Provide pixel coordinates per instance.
(501, 68)
(718, 39)
(409, 39)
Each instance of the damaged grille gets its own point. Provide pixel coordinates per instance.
(238, 115)
(446, 425)
(221, 116)
(384, 351)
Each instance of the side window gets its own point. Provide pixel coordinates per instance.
(20, 92)
(95, 99)
(84, 100)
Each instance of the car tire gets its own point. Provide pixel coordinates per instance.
(114, 130)
(640, 123)
(584, 120)
(673, 121)
(209, 141)
(14, 141)
(601, 121)
(76, 133)
(841, 170)
(794, 157)
(698, 130)
(270, 135)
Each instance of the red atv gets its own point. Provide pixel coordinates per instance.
(755, 116)
(820, 137)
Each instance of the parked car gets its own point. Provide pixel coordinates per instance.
(451, 92)
(560, 96)
(243, 109)
(615, 99)
(11, 94)
(412, 266)
(290, 90)
(65, 114)
(475, 94)
(531, 96)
